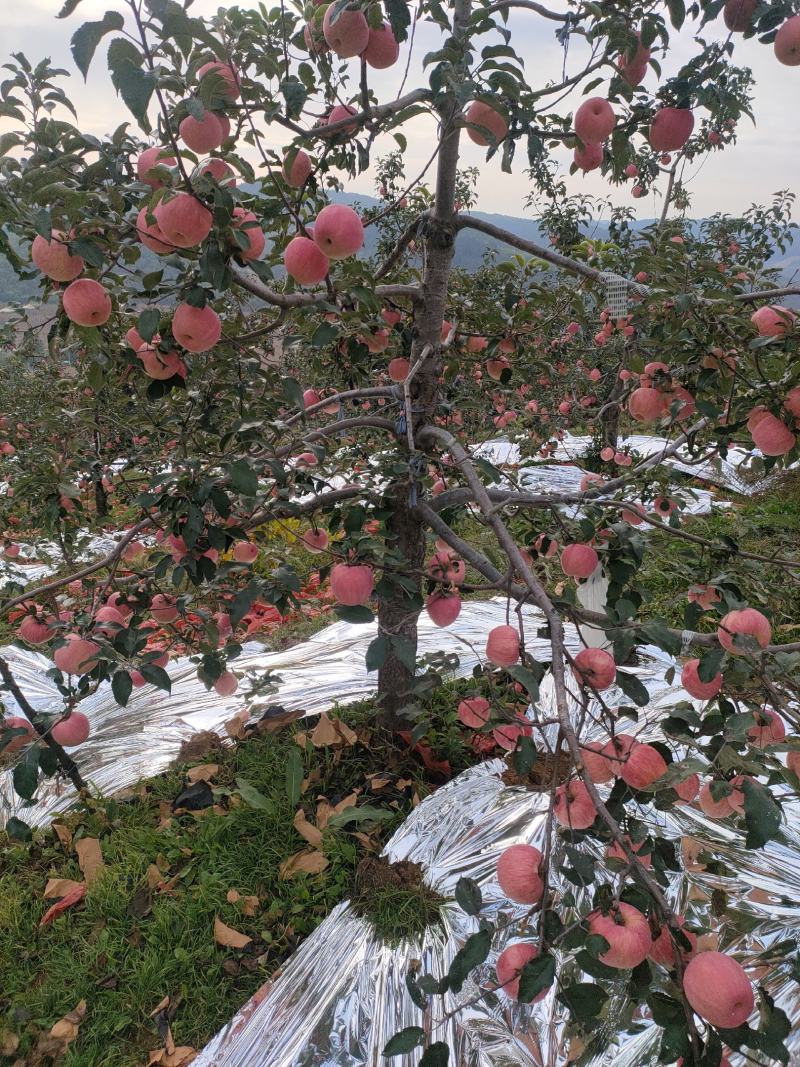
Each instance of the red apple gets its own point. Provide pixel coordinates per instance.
(348, 36)
(443, 608)
(518, 874)
(595, 667)
(770, 729)
(502, 646)
(86, 303)
(183, 220)
(196, 329)
(671, 129)
(644, 765)
(579, 561)
(787, 42)
(594, 120)
(491, 119)
(77, 656)
(202, 135)
(54, 259)
(662, 949)
(509, 968)
(224, 77)
(148, 163)
(718, 989)
(72, 730)
(690, 680)
(351, 584)
(573, 807)
(628, 935)
(749, 624)
(305, 262)
(338, 231)
(297, 168)
(588, 157)
(382, 50)
(473, 712)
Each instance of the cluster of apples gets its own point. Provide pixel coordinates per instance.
(348, 34)
(85, 301)
(337, 233)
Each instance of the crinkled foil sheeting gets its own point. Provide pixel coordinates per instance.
(342, 995)
(40, 560)
(127, 744)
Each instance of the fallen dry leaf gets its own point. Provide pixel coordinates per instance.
(331, 732)
(235, 727)
(52, 1045)
(161, 1006)
(202, 773)
(90, 858)
(228, 937)
(250, 904)
(154, 877)
(307, 829)
(180, 1056)
(69, 901)
(306, 862)
(349, 802)
(64, 834)
(378, 781)
(9, 1043)
(324, 812)
(60, 887)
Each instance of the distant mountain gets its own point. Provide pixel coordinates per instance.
(470, 249)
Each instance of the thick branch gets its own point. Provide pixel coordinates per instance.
(250, 281)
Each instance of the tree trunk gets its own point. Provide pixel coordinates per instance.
(398, 615)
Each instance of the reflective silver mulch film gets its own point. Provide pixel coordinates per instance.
(140, 740)
(342, 995)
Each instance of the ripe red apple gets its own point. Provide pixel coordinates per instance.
(338, 231)
(348, 36)
(518, 874)
(646, 404)
(588, 157)
(196, 329)
(202, 135)
(226, 83)
(108, 621)
(579, 561)
(643, 766)
(149, 161)
(382, 50)
(787, 42)
(773, 320)
(76, 656)
(770, 729)
(219, 170)
(163, 608)
(792, 402)
(662, 949)
(151, 235)
(339, 114)
(247, 222)
(731, 804)
(473, 712)
(749, 623)
(54, 259)
(688, 789)
(34, 630)
(443, 608)
(671, 129)
(297, 168)
(15, 722)
(502, 646)
(597, 765)
(86, 303)
(595, 667)
(772, 436)
(509, 968)
(398, 369)
(573, 807)
(352, 584)
(161, 366)
(615, 851)
(305, 262)
(245, 552)
(315, 541)
(227, 684)
(71, 731)
(718, 989)
(594, 120)
(617, 751)
(690, 680)
(633, 66)
(793, 763)
(628, 935)
(445, 566)
(738, 14)
(183, 220)
(491, 119)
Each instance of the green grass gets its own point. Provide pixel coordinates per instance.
(123, 949)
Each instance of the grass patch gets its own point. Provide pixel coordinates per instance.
(395, 900)
(145, 929)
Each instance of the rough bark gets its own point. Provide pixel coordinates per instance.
(398, 614)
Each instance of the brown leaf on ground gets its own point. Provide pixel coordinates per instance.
(330, 731)
(50, 1047)
(235, 727)
(69, 901)
(308, 861)
(349, 801)
(154, 877)
(250, 904)
(9, 1043)
(64, 835)
(204, 772)
(271, 724)
(180, 1056)
(307, 829)
(60, 887)
(90, 858)
(378, 781)
(324, 812)
(161, 1006)
(228, 937)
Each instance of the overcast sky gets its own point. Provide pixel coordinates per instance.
(765, 159)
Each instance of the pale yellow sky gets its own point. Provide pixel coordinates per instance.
(765, 159)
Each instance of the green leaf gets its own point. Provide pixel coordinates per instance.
(365, 813)
(537, 974)
(524, 755)
(528, 679)
(633, 688)
(18, 830)
(677, 773)
(293, 391)
(26, 774)
(242, 602)
(67, 9)
(250, 795)
(471, 954)
(147, 323)
(468, 896)
(121, 687)
(156, 676)
(584, 1000)
(243, 477)
(436, 1055)
(357, 613)
(85, 40)
(677, 12)
(324, 334)
(399, 18)
(294, 776)
(762, 815)
(377, 651)
(404, 1041)
(660, 634)
(134, 85)
(295, 95)
(710, 664)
